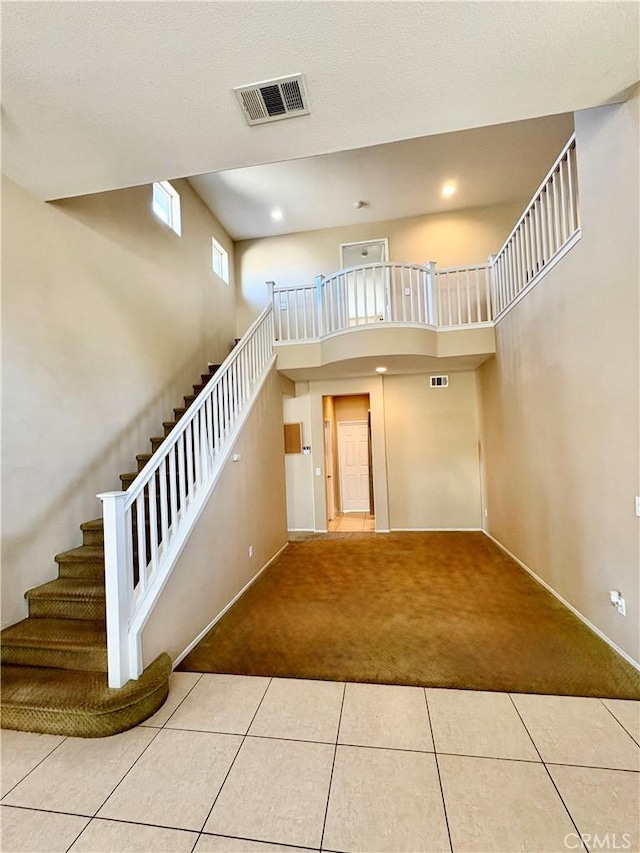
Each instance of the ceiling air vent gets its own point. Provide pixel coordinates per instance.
(272, 100)
(439, 381)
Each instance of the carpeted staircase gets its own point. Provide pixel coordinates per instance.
(54, 662)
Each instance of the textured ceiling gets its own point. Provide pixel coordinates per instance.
(489, 165)
(100, 95)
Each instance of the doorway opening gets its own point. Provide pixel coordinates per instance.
(366, 281)
(348, 463)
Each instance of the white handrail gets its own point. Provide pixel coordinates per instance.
(146, 527)
(549, 225)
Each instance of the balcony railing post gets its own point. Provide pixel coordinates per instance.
(271, 297)
(492, 292)
(118, 588)
(320, 313)
(432, 302)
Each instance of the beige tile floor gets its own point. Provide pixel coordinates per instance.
(352, 522)
(238, 764)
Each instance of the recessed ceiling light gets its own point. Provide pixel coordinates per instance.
(381, 369)
(448, 188)
(277, 214)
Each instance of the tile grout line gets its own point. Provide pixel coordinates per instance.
(90, 819)
(29, 772)
(637, 742)
(113, 790)
(244, 737)
(435, 755)
(157, 732)
(258, 841)
(184, 698)
(333, 764)
(535, 746)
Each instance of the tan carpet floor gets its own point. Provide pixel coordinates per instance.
(430, 609)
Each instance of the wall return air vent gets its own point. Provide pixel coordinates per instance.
(273, 100)
(439, 381)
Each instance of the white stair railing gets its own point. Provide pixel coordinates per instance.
(547, 228)
(146, 527)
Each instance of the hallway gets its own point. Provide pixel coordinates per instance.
(352, 522)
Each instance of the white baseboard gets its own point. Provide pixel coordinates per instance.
(217, 618)
(301, 530)
(436, 529)
(601, 634)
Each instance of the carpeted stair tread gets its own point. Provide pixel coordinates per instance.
(82, 554)
(56, 633)
(80, 704)
(93, 533)
(68, 588)
(68, 598)
(142, 459)
(94, 524)
(76, 644)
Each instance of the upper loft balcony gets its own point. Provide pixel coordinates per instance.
(417, 317)
(421, 318)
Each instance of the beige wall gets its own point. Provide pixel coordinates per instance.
(432, 452)
(425, 451)
(561, 398)
(108, 319)
(246, 508)
(463, 237)
(299, 466)
(351, 407)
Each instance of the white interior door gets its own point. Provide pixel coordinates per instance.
(328, 471)
(353, 451)
(366, 288)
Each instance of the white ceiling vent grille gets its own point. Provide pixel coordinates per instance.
(439, 381)
(273, 100)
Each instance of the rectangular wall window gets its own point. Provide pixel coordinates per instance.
(220, 260)
(166, 205)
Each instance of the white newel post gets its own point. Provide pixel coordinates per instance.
(118, 588)
(319, 283)
(432, 305)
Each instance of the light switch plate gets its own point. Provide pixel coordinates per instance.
(638, 505)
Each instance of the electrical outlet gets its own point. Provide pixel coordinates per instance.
(250, 550)
(486, 513)
(615, 597)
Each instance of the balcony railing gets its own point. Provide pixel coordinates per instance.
(398, 293)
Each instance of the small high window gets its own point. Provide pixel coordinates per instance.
(166, 205)
(220, 260)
